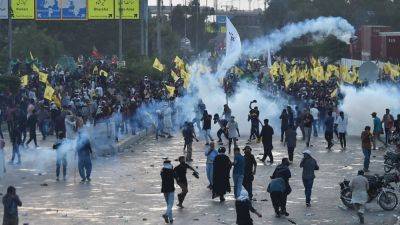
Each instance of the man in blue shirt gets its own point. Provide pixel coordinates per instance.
(238, 171)
(84, 151)
(210, 153)
(377, 131)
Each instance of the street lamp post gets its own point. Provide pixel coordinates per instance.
(10, 36)
(159, 50)
(120, 56)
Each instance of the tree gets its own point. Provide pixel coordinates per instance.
(30, 39)
(9, 84)
(178, 19)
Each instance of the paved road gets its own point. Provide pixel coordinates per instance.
(126, 189)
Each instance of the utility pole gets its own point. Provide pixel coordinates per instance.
(144, 27)
(185, 20)
(120, 57)
(10, 36)
(197, 25)
(159, 50)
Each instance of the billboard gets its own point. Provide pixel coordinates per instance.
(48, 9)
(23, 9)
(3, 9)
(130, 9)
(74, 9)
(101, 9)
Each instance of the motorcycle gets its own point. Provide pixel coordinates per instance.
(392, 161)
(379, 188)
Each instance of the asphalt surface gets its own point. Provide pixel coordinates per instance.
(125, 189)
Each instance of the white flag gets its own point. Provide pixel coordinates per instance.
(269, 62)
(233, 44)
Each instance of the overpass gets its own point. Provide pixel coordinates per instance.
(166, 10)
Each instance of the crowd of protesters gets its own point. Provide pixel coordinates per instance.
(86, 94)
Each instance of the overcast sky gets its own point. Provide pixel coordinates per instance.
(242, 4)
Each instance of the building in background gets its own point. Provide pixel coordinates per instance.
(376, 43)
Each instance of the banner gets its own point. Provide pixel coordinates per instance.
(3, 9)
(100, 9)
(48, 10)
(23, 9)
(130, 9)
(74, 9)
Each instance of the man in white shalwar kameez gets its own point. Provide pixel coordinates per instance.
(359, 187)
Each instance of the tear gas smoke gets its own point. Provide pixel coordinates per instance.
(208, 88)
(320, 27)
(359, 104)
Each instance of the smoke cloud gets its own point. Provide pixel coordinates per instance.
(359, 104)
(319, 28)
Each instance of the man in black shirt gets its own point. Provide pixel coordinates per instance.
(31, 123)
(222, 128)
(266, 134)
(188, 136)
(308, 121)
(207, 126)
(250, 168)
(181, 180)
(253, 117)
(168, 189)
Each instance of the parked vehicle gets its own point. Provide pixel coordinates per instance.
(392, 161)
(379, 188)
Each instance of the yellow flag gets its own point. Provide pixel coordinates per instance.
(274, 71)
(57, 100)
(283, 69)
(288, 81)
(171, 90)
(344, 72)
(103, 73)
(35, 69)
(186, 78)
(179, 63)
(238, 71)
(157, 65)
(48, 93)
(394, 72)
(31, 55)
(24, 80)
(387, 67)
(313, 62)
(293, 74)
(334, 93)
(43, 77)
(174, 76)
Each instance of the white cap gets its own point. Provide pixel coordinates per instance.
(307, 151)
